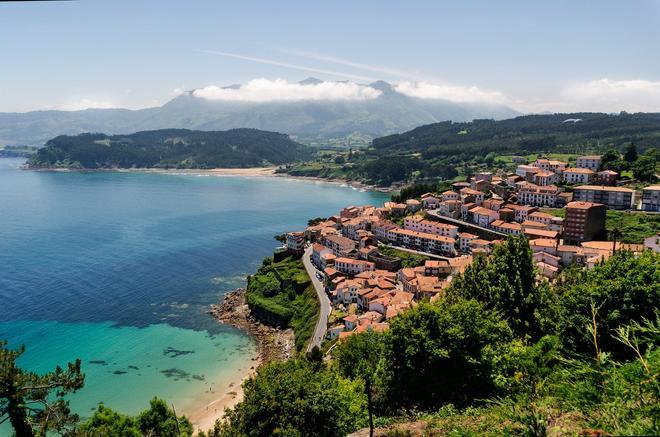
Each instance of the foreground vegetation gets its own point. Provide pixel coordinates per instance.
(170, 148)
(501, 354)
(282, 294)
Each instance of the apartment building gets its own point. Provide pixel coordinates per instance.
(419, 224)
(430, 243)
(584, 221)
(651, 198)
(612, 197)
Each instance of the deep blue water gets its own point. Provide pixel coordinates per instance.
(90, 262)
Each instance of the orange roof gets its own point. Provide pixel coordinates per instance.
(578, 170)
(543, 242)
(581, 205)
(541, 233)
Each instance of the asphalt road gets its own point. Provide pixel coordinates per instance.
(324, 313)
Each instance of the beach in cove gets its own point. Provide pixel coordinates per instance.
(119, 269)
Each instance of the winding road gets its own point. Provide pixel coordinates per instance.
(324, 302)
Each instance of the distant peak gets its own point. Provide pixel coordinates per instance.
(310, 81)
(382, 86)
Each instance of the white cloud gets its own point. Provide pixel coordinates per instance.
(608, 95)
(453, 93)
(265, 90)
(85, 103)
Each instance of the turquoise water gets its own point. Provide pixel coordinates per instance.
(118, 269)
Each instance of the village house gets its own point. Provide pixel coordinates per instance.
(464, 241)
(540, 217)
(430, 201)
(507, 228)
(550, 165)
(527, 172)
(545, 178)
(318, 251)
(483, 216)
(340, 246)
(295, 243)
(535, 195)
(413, 205)
(606, 177)
(450, 195)
(477, 195)
(592, 162)
(351, 227)
(350, 266)
(450, 208)
(578, 175)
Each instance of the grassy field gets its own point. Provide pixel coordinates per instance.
(566, 157)
(634, 226)
(284, 290)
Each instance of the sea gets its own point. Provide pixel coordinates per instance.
(118, 269)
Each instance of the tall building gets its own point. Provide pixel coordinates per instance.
(612, 197)
(584, 221)
(651, 198)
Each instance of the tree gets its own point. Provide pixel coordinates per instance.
(630, 154)
(159, 420)
(609, 156)
(109, 423)
(34, 404)
(442, 352)
(360, 357)
(644, 168)
(623, 290)
(291, 398)
(162, 421)
(506, 282)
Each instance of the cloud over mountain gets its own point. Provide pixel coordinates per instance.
(265, 90)
(452, 93)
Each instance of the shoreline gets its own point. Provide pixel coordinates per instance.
(236, 172)
(272, 345)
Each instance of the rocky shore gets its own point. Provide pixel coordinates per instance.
(272, 343)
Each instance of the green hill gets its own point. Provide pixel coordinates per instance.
(443, 151)
(170, 148)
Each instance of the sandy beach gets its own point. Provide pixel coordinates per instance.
(235, 172)
(203, 418)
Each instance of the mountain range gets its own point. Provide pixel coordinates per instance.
(307, 121)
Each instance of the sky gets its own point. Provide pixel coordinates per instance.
(531, 55)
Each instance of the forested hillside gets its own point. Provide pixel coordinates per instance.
(170, 148)
(445, 150)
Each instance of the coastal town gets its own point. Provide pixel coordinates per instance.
(352, 256)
